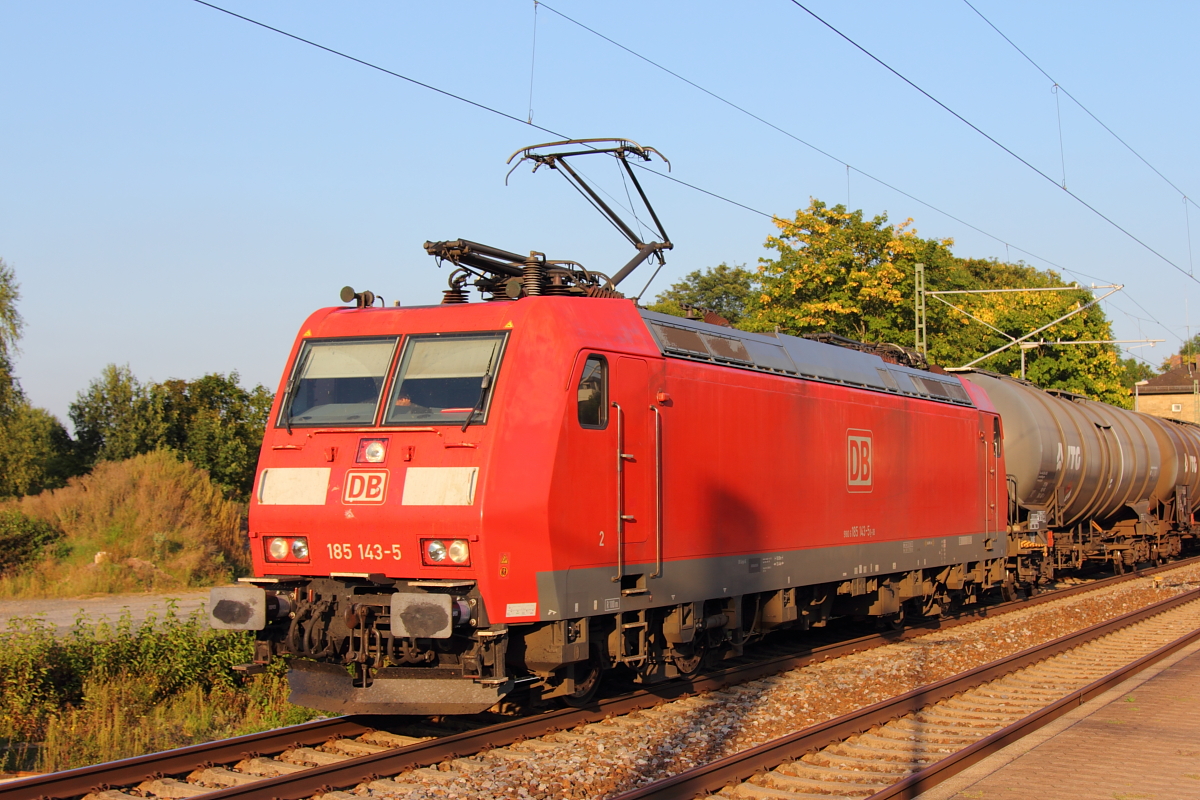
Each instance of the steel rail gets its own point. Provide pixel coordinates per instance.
(948, 767)
(77, 782)
(713, 776)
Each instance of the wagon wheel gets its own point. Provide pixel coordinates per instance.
(689, 665)
(1009, 589)
(592, 671)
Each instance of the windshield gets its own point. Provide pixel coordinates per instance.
(440, 380)
(337, 382)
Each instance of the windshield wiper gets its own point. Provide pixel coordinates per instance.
(484, 386)
(291, 397)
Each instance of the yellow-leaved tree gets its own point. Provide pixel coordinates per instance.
(834, 270)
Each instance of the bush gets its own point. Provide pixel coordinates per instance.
(23, 539)
(149, 523)
(115, 691)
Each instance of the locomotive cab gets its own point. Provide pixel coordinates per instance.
(407, 493)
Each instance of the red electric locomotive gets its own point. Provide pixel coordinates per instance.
(457, 501)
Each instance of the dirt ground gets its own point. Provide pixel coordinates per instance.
(61, 613)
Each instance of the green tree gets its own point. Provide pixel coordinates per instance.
(11, 326)
(1134, 371)
(36, 452)
(728, 291)
(117, 418)
(217, 425)
(835, 270)
(211, 421)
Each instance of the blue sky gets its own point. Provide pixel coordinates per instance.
(179, 188)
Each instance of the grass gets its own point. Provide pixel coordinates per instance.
(151, 523)
(109, 691)
(115, 691)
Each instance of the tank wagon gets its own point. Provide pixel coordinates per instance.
(1088, 482)
(460, 504)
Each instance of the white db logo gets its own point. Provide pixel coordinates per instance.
(365, 487)
(860, 453)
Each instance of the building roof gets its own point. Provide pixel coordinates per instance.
(1180, 380)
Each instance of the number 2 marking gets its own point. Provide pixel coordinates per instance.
(602, 538)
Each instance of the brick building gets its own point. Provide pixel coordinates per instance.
(1175, 394)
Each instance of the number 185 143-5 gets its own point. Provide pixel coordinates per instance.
(376, 552)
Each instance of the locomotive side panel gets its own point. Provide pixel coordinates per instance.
(771, 482)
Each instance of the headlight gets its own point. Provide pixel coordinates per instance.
(371, 451)
(287, 548)
(277, 548)
(446, 552)
(460, 551)
(435, 550)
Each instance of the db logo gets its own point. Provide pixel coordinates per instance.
(365, 487)
(860, 454)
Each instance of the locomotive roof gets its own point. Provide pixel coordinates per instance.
(801, 358)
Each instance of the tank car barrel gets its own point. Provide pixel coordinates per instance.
(1086, 460)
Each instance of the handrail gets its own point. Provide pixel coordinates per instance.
(622, 456)
(658, 495)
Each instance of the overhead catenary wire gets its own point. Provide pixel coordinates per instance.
(1062, 150)
(825, 153)
(1075, 100)
(384, 70)
(532, 61)
(807, 144)
(694, 187)
(468, 101)
(992, 139)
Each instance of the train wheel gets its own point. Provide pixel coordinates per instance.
(689, 665)
(587, 681)
(1009, 590)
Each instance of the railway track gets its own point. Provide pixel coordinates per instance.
(905, 746)
(307, 760)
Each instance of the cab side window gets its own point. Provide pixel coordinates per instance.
(593, 393)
